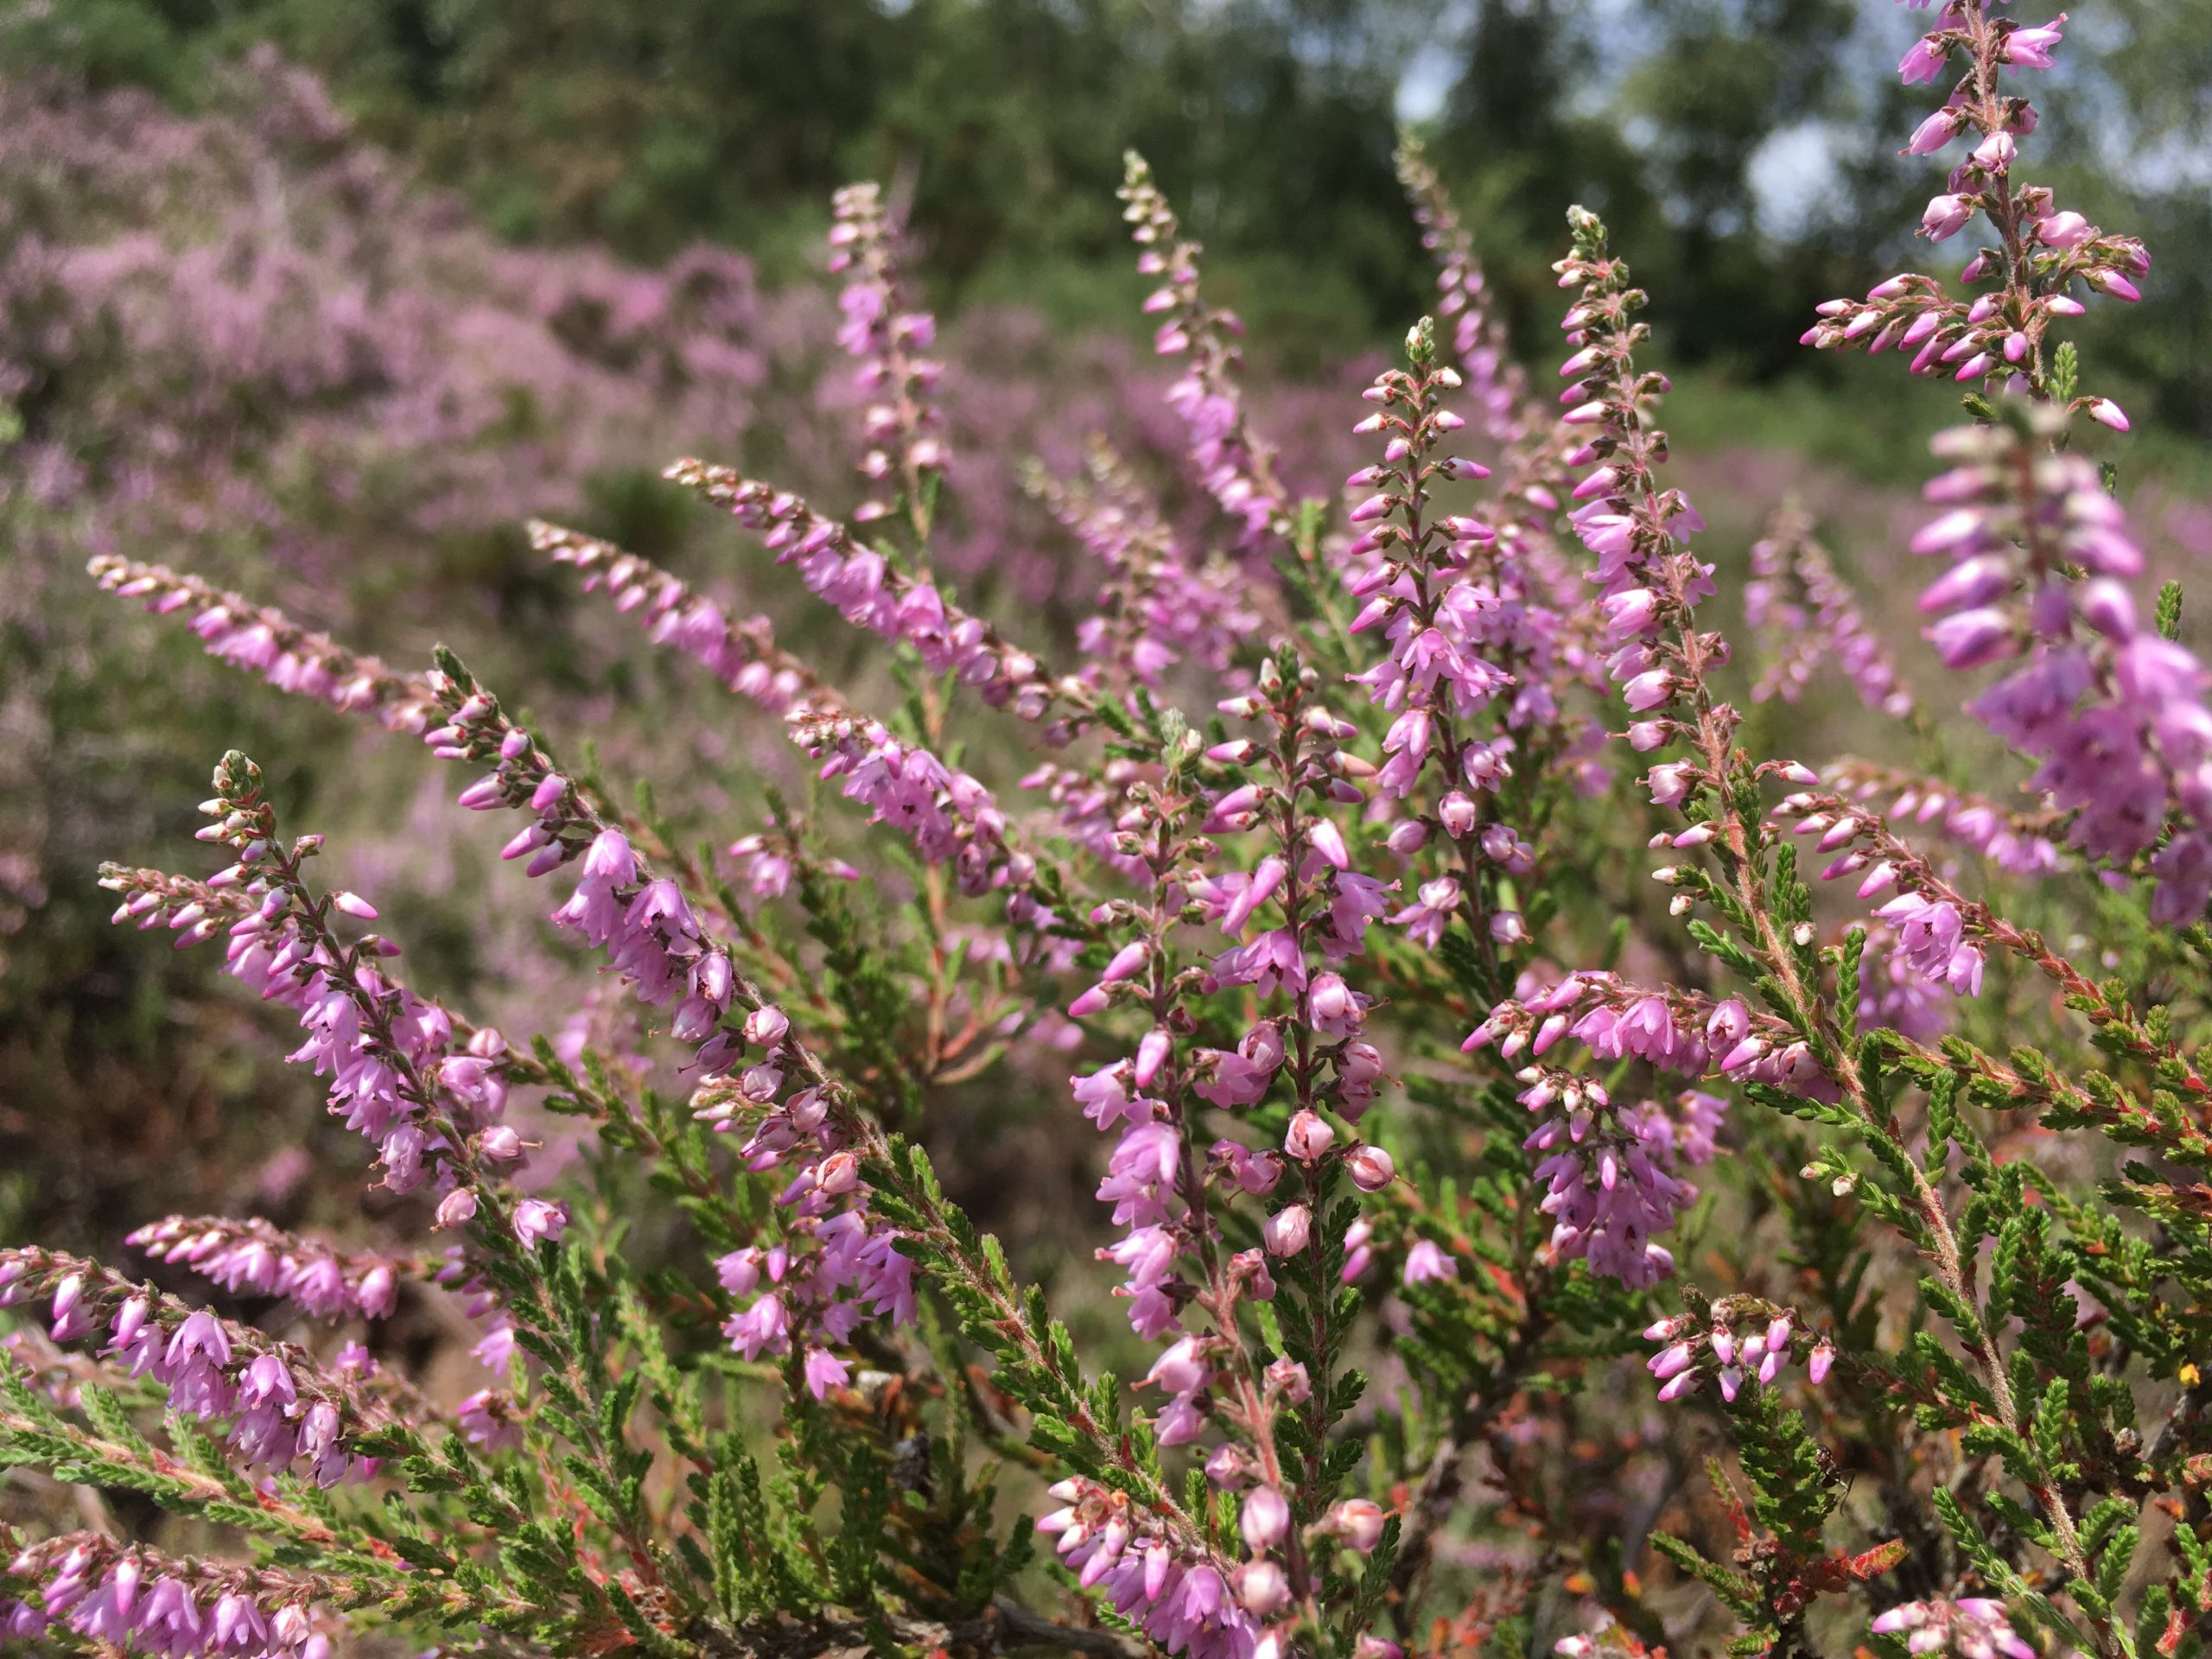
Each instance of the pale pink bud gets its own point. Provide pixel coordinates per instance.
(2065, 231)
(1371, 1167)
(1357, 1521)
(1946, 216)
(1308, 1138)
(1228, 1466)
(1288, 1230)
(456, 1207)
(1153, 1050)
(1266, 1520)
(1261, 1588)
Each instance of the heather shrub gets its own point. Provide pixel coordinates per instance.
(1571, 1171)
(241, 340)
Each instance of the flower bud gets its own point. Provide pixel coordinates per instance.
(1371, 1167)
(1288, 1230)
(1261, 1588)
(1228, 1466)
(456, 1208)
(1309, 1137)
(1407, 837)
(1266, 1520)
(1357, 1521)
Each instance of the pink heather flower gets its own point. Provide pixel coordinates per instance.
(1973, 638)
(1426, 1263)
(488, 1421)
(538, 1219)
(1932, 940)
(1288, 1230)
(2064, 230)
(457, 1208)
(1371, 1168)
(824, 1371)
(1932, 134)
(1946, 217)
(1357, 1521)
(1309, 1138)
(1266, 1518)
(1263, 1588)
(1925, 61)
(1817, 1366)
(1974, 1627)
(2030, 48)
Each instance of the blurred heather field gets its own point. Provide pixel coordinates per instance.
(325, 302)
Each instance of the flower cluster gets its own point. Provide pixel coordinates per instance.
(2020, 842)
(742, 654)
(904, 431)
(253, 1258)
(952, 818)
(1648, 582)
(263, 640)
(873, 593)
(1740, 1339)
(1608, 1180)
(1807, 618)
(833, 1265)
(2041, 250)
(1498, 384)
(1181, 1598)
(1235, 466)
(1671, 1031)
(132, 1598)
(1159, 605)
(279, 1406)
(2113, 711)
(399, 1075)
(1972, 1627)
(1383, 1274)
(835, 1262)
(1445, 614)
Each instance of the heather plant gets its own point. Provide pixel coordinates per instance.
(1535, 1212)
(241, 340)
